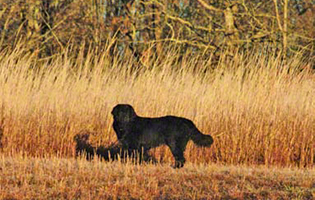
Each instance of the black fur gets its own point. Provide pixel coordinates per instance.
(142, 133)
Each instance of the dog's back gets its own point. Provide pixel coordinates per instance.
(169, 129)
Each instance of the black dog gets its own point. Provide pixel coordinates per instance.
(141, 133)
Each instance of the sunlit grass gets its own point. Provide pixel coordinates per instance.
(59, 178)
(258, 110)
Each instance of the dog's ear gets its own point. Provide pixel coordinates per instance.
(130, 113)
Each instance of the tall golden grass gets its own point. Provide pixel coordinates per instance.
(259, 110)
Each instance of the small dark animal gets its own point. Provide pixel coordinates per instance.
(83, 147)
(142, 133)
(108, 153)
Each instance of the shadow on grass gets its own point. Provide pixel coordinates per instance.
(108, 153)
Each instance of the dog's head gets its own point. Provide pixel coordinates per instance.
(123, 113)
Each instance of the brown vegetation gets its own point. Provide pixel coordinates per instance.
(56, 178)
(243, 71)
(258, 110)
(143, 28)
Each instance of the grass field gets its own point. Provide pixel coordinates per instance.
(259, 111)
(57, 178)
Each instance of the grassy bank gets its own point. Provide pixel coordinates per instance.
(58, 178)
(259, 110)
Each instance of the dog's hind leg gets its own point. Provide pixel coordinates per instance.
(178, 154)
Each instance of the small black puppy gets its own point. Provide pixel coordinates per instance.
(142, 133)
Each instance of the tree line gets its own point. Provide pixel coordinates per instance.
(145, 28)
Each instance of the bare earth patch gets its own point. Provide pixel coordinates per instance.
(61, 178)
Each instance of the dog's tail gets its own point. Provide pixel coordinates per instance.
(199, 138)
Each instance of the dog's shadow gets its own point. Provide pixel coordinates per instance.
(108, 153)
